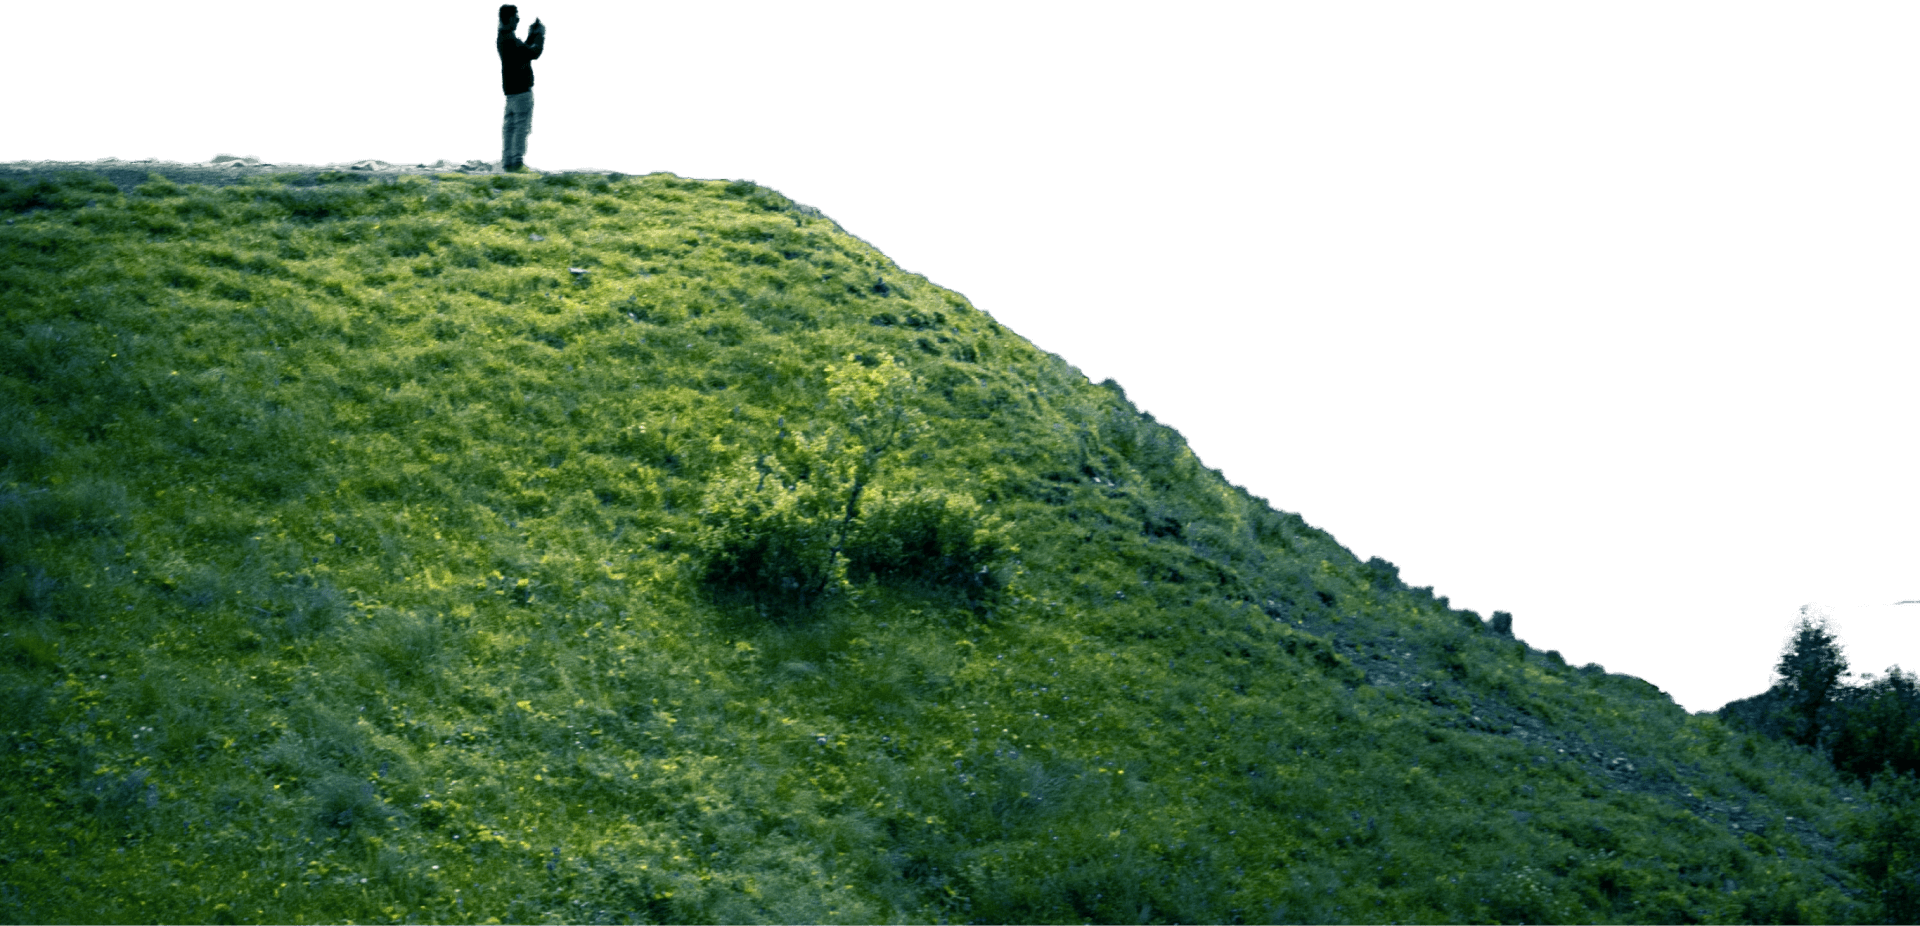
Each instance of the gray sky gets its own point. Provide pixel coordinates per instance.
(1604, 315)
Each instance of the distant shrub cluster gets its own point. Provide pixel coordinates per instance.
(1865, 730)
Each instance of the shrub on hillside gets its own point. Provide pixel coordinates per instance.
(778, 543)
(1873, 728)
(770, 538)
(1383, 575)
(1810, 669)
(783, 530)
(926, 536)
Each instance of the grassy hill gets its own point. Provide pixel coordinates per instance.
(616, 548)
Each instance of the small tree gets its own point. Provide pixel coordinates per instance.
(1810, 670)
(874, 404)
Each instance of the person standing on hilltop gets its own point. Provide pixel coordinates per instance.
(516, 78)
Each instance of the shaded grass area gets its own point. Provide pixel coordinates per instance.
(349, 536)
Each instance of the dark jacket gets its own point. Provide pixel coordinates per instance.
(516, 60)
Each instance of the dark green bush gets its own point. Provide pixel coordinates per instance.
(1886, 852)
(1470, 620)
(1502, 624)
(1874, 727)
(1384, 575)
(769, 538)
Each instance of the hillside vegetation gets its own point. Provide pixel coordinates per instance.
(588, 547)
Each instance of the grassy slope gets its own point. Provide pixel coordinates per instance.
(346, 576)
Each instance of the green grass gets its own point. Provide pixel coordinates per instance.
(357, 565)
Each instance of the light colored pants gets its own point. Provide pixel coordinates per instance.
(513, 135)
